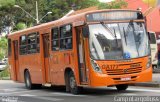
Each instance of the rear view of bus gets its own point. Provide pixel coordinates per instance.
(119, 48)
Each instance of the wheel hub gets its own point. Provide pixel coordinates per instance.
(72, 82)
(27, 81)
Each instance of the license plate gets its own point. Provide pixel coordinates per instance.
(126, 78)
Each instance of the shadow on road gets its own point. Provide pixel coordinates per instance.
(90, 91)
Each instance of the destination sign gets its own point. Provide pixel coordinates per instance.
(114, 16)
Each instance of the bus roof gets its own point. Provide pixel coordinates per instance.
(65, 20)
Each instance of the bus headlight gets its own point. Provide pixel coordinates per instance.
(149, 62)
(95, 66)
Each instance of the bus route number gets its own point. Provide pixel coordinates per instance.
(109, 67)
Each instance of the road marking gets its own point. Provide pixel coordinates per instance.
(3, 94)
(141, 89)
(12, 89)
(27, 95)
(147, 90)
(126, 94)
(66, 94)
(47, 98)
(23, 91)
(6, 81)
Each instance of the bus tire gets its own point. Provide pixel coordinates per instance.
(74, 89)
(27, 80)
(121, 87)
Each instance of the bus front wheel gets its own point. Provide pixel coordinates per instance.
(121, 87)
(74, 89)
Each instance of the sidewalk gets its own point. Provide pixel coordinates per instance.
(155, 81)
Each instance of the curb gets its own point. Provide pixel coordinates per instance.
(5, 78)
(149, 84)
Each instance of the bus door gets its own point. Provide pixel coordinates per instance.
(46, 45)
(83, 75)
(16, 63)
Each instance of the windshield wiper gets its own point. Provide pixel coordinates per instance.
(108, 29)
(125, 36)
(114, 35)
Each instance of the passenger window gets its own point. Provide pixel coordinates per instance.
(66, 37)
(23, 45)
(33, 43)
(55, 39)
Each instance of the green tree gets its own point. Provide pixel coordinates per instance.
(6, 13)
(6, 3)
(61, 7)
(3, 47)
(117, 4)
(11, 16)
(21, 26)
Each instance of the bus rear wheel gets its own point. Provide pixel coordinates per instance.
(74, 89)
(121, 87)
(28, 82)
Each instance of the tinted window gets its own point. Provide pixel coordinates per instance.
(55, 39)
(23, 45)
(33, 43)
(66, 37)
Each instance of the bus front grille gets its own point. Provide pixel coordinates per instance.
(124, 71)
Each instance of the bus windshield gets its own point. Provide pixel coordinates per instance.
(118, 41)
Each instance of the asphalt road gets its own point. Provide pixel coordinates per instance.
(16, 92)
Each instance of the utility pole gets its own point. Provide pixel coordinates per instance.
(37, 16)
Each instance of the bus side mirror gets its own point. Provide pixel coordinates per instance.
(85, 31)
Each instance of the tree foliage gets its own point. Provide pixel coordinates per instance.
(117, 4)
(3, 47)
(6, 3)
(10, 15)
(21, 26)
(6, 13)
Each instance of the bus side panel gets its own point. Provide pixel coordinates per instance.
(75, 57)
(12, 68)
(42, 58)
(12, 63)
(69, 59)
(55, 67)
(60, 60)
(33, 64)
(35, 68)
(59, 64)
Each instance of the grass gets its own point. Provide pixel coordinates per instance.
(5, 74)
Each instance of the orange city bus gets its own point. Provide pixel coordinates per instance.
(91, 49)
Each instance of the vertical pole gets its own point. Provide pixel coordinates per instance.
(37, 18)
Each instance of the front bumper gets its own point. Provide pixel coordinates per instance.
(98, 79)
